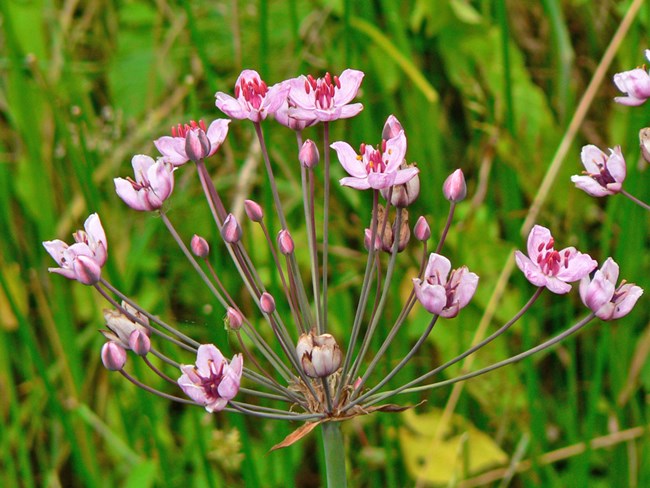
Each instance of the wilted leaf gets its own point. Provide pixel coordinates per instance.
(296, 435)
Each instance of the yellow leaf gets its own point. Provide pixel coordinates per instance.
(461, 448)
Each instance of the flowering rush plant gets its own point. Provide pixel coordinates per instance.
(307, 374)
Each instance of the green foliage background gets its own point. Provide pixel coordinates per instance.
(486, 86)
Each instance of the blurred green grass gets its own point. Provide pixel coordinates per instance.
(485, 86)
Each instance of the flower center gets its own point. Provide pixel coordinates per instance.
(549, 260)
(210, 384)
(603, 177)
(181, 130)
(324, 89)
(253, 91)
(374, 158)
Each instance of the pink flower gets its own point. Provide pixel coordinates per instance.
(83, 260)
(604, 174)
(324, 99)
(550, 268)
(253, 99)
(154, 182)
(212, 382)
(635, 83)
(603, 298)
(374, 168)
(192, 142)
(442, 296)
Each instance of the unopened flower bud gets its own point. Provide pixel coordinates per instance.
(454, 187)
(308, 154)
(231, 231)
(422, 231)
(285, 242)
(644, 139)
(319, 355)
(200, 246)
(233, 320)
(113, 356)
(197, 144)
(267, 303)
(253, 210)
(139, 343)
(87, 270)
(368, 236)
(392, 128)
(402, 196)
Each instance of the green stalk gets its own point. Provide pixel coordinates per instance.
(334, 455)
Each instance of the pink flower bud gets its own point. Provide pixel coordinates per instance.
(113, 356)
(422, 231)
(231, 232)
(319, 355)
(267, 303)
(200, 246)
(197, 144)
(233, 320)
(285, 242)
(253, 210)
(454, 187)
(139, 343)
(366, 240)
(308, 154)
(392, 128)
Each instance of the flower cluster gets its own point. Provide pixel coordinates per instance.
(314, 377)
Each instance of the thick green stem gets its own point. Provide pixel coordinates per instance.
(334, 455)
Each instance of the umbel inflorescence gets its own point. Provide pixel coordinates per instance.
(309, 374)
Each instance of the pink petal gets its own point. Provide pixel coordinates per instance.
(531, 270)
(141, 164)
(632, 294)
(128, 194)
(557, 286)
(172, 149)
(55, 249)
(629, 101)
(349, 159)
(161, 177)
(579, 265)
(590, 186)
(439, 266)
(350, 110)
(275, 97)
(405, 175)
(379, 181)
(206, 356)
(432, 297)
(396, 150)
(538, 235)
(231, 106)
(590, 156)
(616, 164)
(350, 81)
(356, 183)
(466, 287)
(217, 132)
